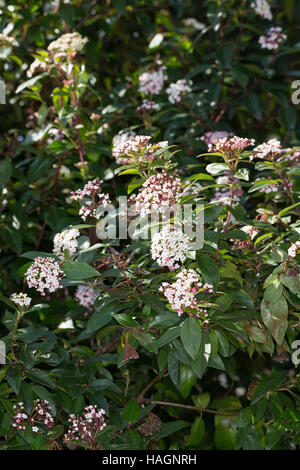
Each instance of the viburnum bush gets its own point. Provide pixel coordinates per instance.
(131, 342)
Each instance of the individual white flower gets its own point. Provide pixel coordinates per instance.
(262, 8)
(66, 241)
(22, 300)
(177, 90)
(44, 273)
(169, 246)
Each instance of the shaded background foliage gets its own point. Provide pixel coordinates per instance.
(238, 87)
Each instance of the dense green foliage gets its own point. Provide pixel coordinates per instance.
(165, 381)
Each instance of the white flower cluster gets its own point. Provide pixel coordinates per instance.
(181, 294)
(66, 241)
(210, 137)
(70, 41)
(273, 39)
(87, 426)
(86, 295)
(118, 142)
(40, 414)
(268, 149)
(44, 273)
(294, 249)
(151, 83)
(169, 246)
(230, 147)
(177, 90)
(147, 107)
(22, 300)
(262, 8)
(138, 145)
(6, 40)
(159, 192)
(90, 198)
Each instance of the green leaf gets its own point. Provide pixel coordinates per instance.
(274, 317)
(132, 411)
(6, 170)
(79, 270)
(225, 435)
(168, 336)
(190, 332)
(209, 269)
(187, 379)
(40, 376)
(196, 434)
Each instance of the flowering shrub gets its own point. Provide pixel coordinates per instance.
(180, 332)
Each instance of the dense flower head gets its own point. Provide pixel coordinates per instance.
(262, 8)
(152, 82)
(230, 147)
(283, 185)
(169, 246)
(177, 90)
(85, 427)
(44, 273)
(140, 147)
(40, 415)
(292, 156)
(66, 241)
(210, 137)
(147, 107)
(86, 295)
(159, 192)
(118, 142)
(267, 150)
(294, 249)
(182, 293)
(90, 198)
(273, 39)
(22, 300)
(70, 41)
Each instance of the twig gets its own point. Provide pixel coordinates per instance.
(189, 407)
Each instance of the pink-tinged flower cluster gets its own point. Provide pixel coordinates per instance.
(44, 273)
(40, 415)
(90, 198)
(177, 90)
(293, 157)
(159, 193)
(138, 148)
(169, 246)
(262, 8)
(210, 137)
(118, 143)
(223, 192)
(294, 249)
(147, 107)
(230, 147)
(86, 427)
(273, 39)
(22, 300)
(152, 82)
(86, 295)
(268, 150)
(66, 241)
(182, 293)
